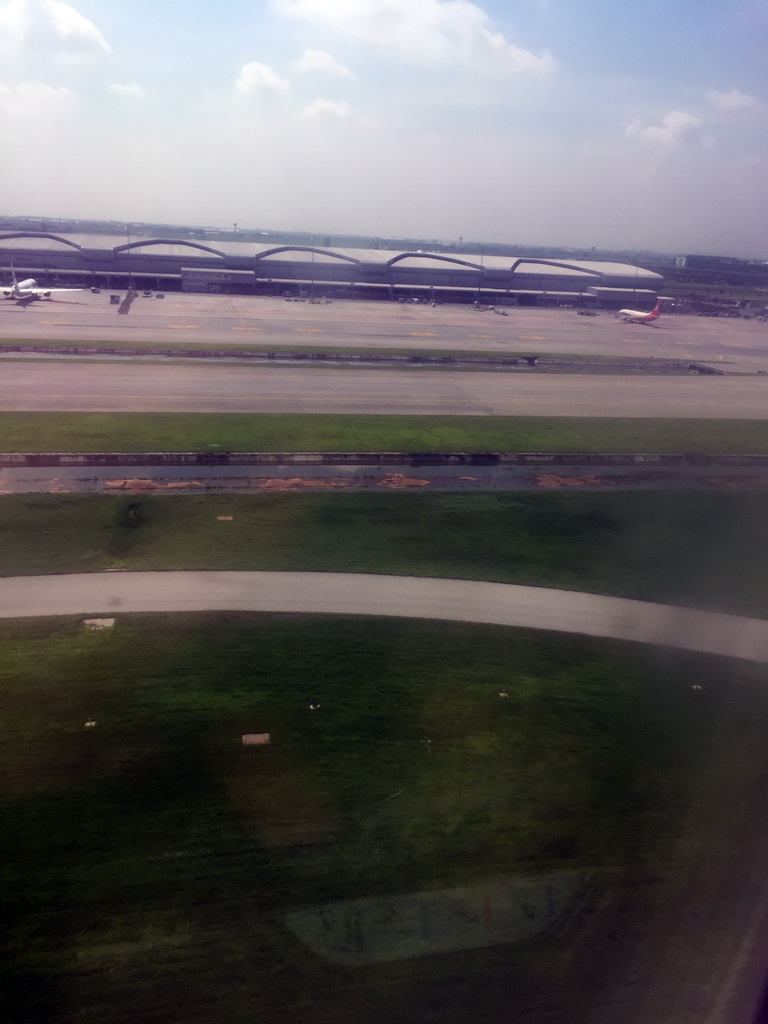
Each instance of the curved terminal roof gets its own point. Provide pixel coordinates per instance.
(166, 247)
(37, 241)
(299, 253)
(235, 255)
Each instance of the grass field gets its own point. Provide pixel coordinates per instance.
(146, 861)
(137, 432)
(697, 549)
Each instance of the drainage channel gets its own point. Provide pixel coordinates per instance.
(221, 479)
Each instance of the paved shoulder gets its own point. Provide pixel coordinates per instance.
(366, 594)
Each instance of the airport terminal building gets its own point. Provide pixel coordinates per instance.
(297, 271)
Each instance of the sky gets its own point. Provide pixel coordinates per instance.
(544, 122)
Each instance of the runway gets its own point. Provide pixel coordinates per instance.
(139, 387)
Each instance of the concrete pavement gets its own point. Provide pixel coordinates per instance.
(240, 319)
(367, 594)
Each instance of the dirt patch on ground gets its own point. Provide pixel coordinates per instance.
(736, 483)
(396, 480)
(137, 485)
(298, 483)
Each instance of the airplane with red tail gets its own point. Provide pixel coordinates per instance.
(634, 316)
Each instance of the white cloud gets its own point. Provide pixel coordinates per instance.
(255, 77)
(31, 100)
(433, 33)
(128, 91)
(327, 108)
(321, 62)
(48, 28)
(676, 126)
(729, 102)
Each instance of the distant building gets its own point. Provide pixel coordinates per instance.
(730, 270)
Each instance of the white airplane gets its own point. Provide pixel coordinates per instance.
(28, 290)
(634, 316)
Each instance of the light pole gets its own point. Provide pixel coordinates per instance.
(480, 278)
(128, 242)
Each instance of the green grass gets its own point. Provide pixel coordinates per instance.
(137, 432)
(702, 549)
(145, 862)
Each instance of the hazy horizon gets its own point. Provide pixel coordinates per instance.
(337, 238)
(566, 126)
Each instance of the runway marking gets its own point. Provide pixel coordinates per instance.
(532, 337)
(486, 336)
(54, 323)
(423, 334)
(636, 341)
(307, 330)
(735, 344)
(184, 327)
(247, 328)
